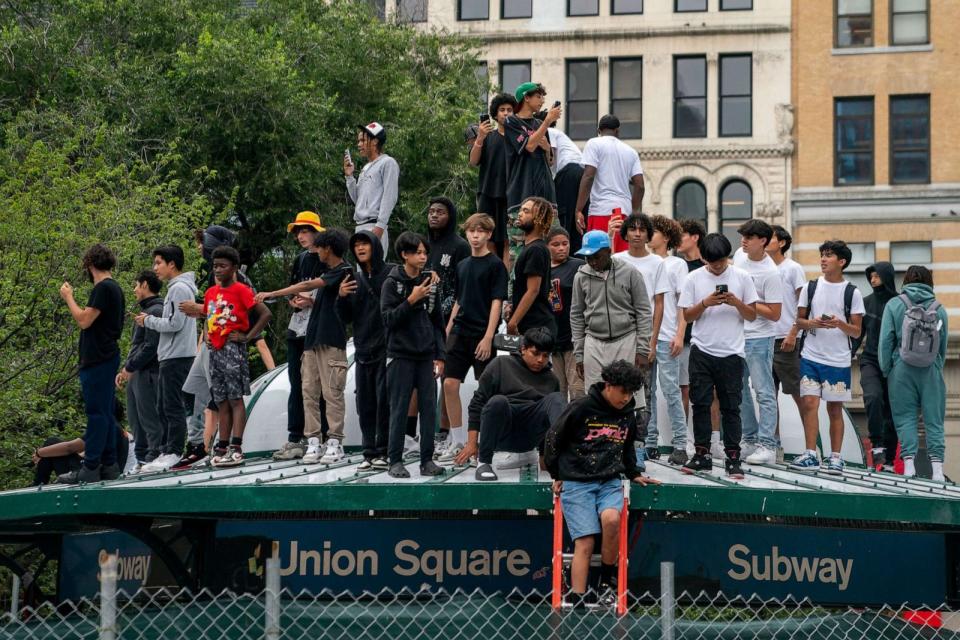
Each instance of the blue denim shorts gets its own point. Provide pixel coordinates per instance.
(583, 502)
(832, 384)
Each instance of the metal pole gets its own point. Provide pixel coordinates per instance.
(108, 597)
(272, 600)
(667, 600)
(14, 597)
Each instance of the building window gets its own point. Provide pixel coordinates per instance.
(626, 6)
(854, 23)
(681, 6)
(581, 107)
(513, 74)
(853, 127)
(736, 206)
(736, 95)
(583, 7)
(909, 22)
(473, 9)
(905, 254)
(736, 5)
(690, 97)
(690, 201)
(516, 8)
(482, 72)
(412, 10)
(626, 93)
(909, 139)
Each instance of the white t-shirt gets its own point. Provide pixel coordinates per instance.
(766, 280)
(719, 330)
(566, 151)
(647, 266)
(670, 278)
(792, 277)
(616, 163)
(829, 346)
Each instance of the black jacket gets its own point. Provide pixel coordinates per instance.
(874, 305)
(447, 249)
(143, 345)
(509, 376)
(363, 307)
(592, 441)
(414, 332)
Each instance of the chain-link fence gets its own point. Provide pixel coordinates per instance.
(275, 614)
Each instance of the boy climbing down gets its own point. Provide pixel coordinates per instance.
(586, 451)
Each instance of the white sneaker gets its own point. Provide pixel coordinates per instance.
(334, 452)
(762, 455)
(447, 458)
(717, 452)
(411, 444)
(162, 463)
(511, 460)
(441, 445)
(314, 451)
(747, 449)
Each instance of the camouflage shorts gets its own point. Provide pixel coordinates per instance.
(229, 372)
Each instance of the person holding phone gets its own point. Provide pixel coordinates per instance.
(376, 191)
(529, 147)
(489, 153)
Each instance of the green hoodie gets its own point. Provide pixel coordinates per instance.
(890, 329)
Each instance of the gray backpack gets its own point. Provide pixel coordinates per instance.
(920, 333)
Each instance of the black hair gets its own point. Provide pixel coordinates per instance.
(634, 221)
(334, 239)
(170, 253)
(153, 282)
(303, 227)
(714, 246)
(783, 236)
(621, 373)
(554, 232)
(499, 100)
(694, 227)
(918, 274)
(539, 338)
(100, 257)
(376, 139)
(409, 242)
(840, 249)
(226, 253)
(756, 228)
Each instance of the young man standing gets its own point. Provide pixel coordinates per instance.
(830, 311)
(759, 433)
(876, 396)
(531, 287)
(481, 290)
(563, 269)
(176, 352)
(669, 328)
(375, 193)
(447, 250)
(415, 350)
(612, 179)
(489, 153)
(528, 169)
(140, 373)
(359, 304)
(717, 299)
(101, 323)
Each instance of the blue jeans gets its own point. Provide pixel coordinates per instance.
(666, 374)
(97, 388)
(759, 371)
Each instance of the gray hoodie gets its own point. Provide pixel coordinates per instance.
(608, 305)
(178, 333)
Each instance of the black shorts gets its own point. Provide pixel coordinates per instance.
(786, 369)
(496, 208)
(460, 357)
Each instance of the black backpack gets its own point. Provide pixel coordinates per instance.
(847, 306)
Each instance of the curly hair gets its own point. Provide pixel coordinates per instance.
(621, 373)
(99, 257)
(670, 229)
(542, 214)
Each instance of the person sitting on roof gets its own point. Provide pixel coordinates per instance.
(64, 457)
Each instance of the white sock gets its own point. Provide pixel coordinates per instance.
(909, 470)
(937, 471)
(834, 454)
(714, 437)
(458, 435)
(812, 452)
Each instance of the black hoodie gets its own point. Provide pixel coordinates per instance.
(874, 305)
(447, 249)
(414, 332)
(363, 307)
(509, 376)
(592, 441)
(143, 345)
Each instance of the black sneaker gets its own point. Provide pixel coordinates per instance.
(653, 453)
(606, 595)
(879, 459)
(699, 462)
(431, 468)
(733, 468)
(110, 472)
(81, 475)
(679, 457)
(195, 453)
(397, 470)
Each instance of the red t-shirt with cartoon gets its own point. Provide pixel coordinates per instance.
(227, 311)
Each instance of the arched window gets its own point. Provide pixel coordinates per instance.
(690, 201)
(736, 206)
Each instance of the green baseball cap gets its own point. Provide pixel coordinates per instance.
(526, 88)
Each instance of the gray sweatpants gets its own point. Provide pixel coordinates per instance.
(198, 383)
(142, 414)
(599, 353)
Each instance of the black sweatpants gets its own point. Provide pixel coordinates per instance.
(567, 185)
(173, 404)
(518, 426)
(725, 375)
(403, 376)
(876, 402)
(295, 418)
(373, 407)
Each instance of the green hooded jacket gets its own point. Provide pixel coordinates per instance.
(892, 325)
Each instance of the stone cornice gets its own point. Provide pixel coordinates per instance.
(502, 35)
(714, 152)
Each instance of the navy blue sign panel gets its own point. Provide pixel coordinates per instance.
(80, 558)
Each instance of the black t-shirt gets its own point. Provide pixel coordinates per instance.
(528, 173)
(561, 295)
(98, 343)
(534, 260)
(325, 328)
(692, 265)
(493, 166)
(480, 281)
